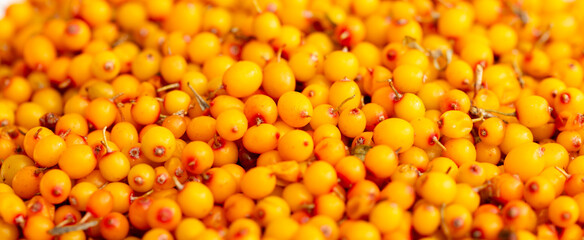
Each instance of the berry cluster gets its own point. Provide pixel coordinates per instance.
(292, 119)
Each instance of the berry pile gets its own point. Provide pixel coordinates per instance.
(292, 119)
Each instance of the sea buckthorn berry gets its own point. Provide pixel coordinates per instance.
(492, 131)
(193, 193)
(455, 100)
(11, 165)
(197, 156)
(296, 145)
(350, 170)
(569, 99)
(176, 102)
(189, 228)
(164, 213)
(395, 133)
(242, 79)
(539, 192)
(258, 182)
(279, 78)
(101, 113)
(459, 74)
(105, 65)
(138, 211)
(232, 124)
(260, 109)
(515, 135)
(430, 183)
(266, 26)
(570, 140)
(533, 111)
(460, 150)
(224, 152)
(425, 219)
(517, 160)
(77, 35)
(114, 226)
(306, 65)
(339, 65)
(569, 71)
(316, 93)
(173, 68)
(457, 219)
(270, 209)
(37, 227)
(344, 94)
(221, 183)
(324, 114)
(201, 128)
(563, 211)
(223, 103)
(486, 226)
(330, 150)
(48, 150)
(352, 122)
(113, 165)
(408, 78)
(426, 132)
(77, 161)
(455, 124)
(26, 182)
(322, 173)
(503, 38)
(295, 109)
(55, 186)
(381, 212)
(261, 138)
(381, 160)
(28, 114)
(326, 131)
(146, 64)
(282, 228)
(39, 52)
(146, 110)
(518, 215)
(406, 173)
(80, 194)
(471, 173)
(238, 206)
(556, 155)
(158, 144)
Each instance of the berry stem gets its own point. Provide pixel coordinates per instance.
(202, 103)
(398, 96)
(65, 222)
(279, 54)
(257, 6)
(479, 78)
(512, 114)
(519, 73)
(134, 198)
(82, 226)
(437, 141)
(412, 43)
(179, 185)
(342, 103)
(168, 87)
(104, 141)
(563, 172)
(443, 221)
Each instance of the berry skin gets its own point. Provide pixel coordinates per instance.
(395, 133)
(242, 79)
(159, 144)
